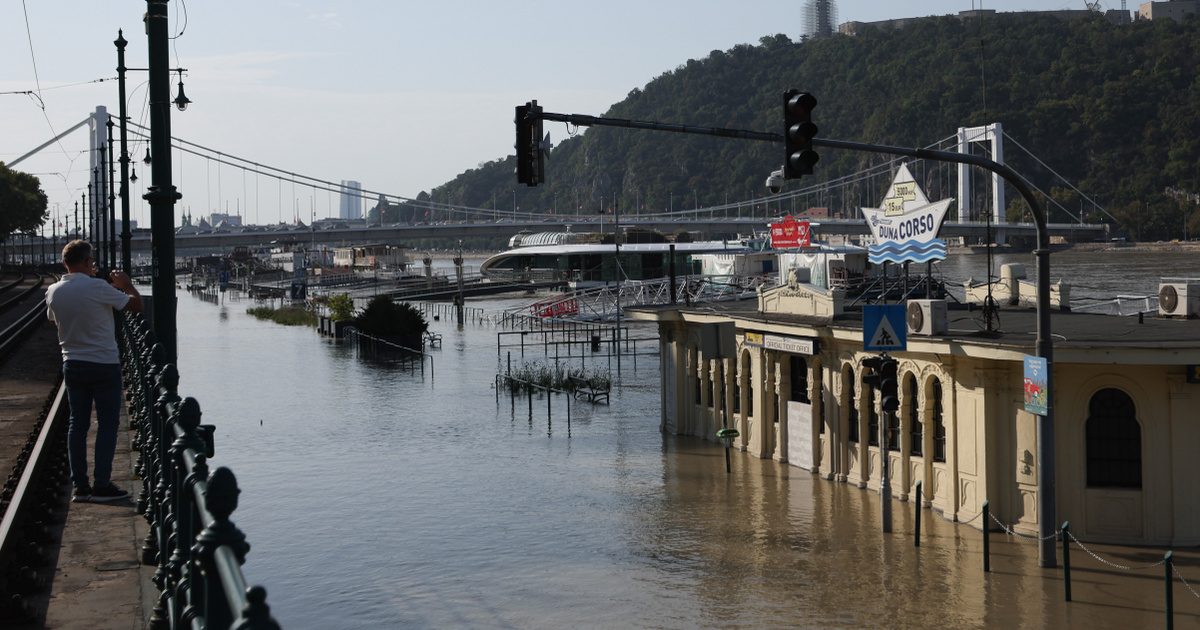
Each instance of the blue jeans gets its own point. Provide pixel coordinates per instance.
(87, 383)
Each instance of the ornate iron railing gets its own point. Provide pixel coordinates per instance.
(198, 551)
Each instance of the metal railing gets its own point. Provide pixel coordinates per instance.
(198, 551)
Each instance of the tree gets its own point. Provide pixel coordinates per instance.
(22, 202)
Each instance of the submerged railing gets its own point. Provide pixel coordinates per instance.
(198, 551)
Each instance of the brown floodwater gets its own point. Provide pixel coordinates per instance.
(378, 498)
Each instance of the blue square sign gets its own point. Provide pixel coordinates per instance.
(883, 328)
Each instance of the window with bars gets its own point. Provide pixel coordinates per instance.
(799, 379)
(916, 427)
(893, 431)
(851, 410)
(1114, 441)
(939, 424)
(872, 417)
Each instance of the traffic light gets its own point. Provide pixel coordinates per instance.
(888, 385)
(873, 368)
(798, 133)
(531, 169)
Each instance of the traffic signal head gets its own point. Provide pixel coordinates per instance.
(889, 385)
(798, 133)
(531, 169)
(871, 371)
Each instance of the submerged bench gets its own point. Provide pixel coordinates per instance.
(583, 388)
(433, 339)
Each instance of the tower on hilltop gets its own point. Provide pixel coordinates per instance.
(820, 18)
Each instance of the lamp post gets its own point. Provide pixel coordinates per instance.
(125, 179)
(162, 194)
(111, 218)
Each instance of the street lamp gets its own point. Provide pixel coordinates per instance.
(181, 101)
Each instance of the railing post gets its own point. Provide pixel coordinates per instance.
(917, 511)
(987, 561)
(1169, 583)
(1066, 545)
(220, 499)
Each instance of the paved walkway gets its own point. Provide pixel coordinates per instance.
(99, 583)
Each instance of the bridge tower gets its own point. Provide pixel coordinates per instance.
(993, 133)
(97, 144)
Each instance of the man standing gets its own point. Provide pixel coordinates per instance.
(82, 306)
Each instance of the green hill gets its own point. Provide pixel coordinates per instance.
(1114, 109)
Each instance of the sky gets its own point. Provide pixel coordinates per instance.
(399, 95)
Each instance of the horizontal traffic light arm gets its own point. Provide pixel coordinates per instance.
(596, 121)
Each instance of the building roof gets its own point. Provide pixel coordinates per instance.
(1080, 336)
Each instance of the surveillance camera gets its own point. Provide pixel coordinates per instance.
(775, 182)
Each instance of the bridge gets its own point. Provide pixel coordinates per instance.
(717, 227)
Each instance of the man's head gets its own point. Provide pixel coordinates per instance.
(77, 257)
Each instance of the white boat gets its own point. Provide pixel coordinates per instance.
(586, 259)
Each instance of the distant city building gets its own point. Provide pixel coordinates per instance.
(820, 18)
(351, 200)
(230, 220)
(1171, 10)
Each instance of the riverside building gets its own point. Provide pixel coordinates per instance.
(790, 379)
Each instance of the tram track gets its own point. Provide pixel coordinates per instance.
(33, 408)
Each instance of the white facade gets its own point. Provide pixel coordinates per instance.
(350, 206)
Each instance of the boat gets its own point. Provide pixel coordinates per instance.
(589, 259)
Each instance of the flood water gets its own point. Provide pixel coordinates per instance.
(374, 497)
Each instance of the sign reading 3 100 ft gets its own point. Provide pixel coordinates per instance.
(907, 224)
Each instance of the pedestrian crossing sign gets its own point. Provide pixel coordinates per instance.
(883, 328)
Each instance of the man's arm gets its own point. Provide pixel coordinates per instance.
(121, 281)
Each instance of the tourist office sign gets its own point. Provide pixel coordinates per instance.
(907, 224)
(790, 233)
(794, 345)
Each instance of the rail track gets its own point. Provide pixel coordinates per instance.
(35, 495)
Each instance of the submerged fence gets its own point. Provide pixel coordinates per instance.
(198, 551)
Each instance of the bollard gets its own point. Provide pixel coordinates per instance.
(1066, 543)
(987, 561)
(917, 509)
(1170, 588)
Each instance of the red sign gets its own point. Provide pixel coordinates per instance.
(556, 308)
(790, 233)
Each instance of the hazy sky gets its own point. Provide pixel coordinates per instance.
(399, 95)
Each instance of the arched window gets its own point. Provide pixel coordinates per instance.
(872, 417)
(939, 424)
(799, 378)
(851, 411)
(1114, 441)
(916, 428)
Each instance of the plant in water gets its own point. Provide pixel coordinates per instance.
(560, 377)
(383, 317)
(287, 315)
(341, 307)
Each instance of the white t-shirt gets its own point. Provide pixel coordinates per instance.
(82, 306)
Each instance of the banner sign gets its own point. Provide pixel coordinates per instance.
(791, 233)
(1035, 385)
(794, 345)
(907, 224)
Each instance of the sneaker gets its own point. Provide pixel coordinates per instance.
(82, 494)
(108, 493)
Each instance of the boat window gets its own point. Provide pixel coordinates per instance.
(1114, 441)
(916, 428)
(939, 425)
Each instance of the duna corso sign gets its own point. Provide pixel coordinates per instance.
(907, 224)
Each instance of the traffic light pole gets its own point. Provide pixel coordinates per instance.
(1044, 345)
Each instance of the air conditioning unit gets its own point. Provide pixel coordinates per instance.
(1179, 299)
(927, 317)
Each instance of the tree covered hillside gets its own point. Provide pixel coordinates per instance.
(1112, 108)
